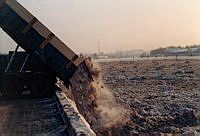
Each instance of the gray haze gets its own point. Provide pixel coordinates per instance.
(117, 24)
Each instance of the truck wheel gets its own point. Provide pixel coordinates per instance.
(40, 86)
(11, 85)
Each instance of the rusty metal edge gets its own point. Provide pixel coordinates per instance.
(78, 125)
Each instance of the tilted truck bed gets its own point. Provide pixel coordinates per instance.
(28, 32)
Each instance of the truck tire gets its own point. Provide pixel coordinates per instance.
(40, 85)
(11, 85)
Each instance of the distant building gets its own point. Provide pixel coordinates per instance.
(119, 54)
(176, 51)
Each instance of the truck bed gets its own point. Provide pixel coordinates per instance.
(35, 38)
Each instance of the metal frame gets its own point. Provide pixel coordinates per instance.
(24, 63)
(11, 59)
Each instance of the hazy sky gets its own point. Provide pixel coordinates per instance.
(119, 24)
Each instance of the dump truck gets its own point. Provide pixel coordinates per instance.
(25, 74)
(36, 39)
(45, 111)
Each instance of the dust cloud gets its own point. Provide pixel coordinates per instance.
(95, 102)
(111, 113)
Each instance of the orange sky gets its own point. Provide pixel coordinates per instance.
(119, 24)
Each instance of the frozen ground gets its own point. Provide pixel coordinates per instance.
(163, 95)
